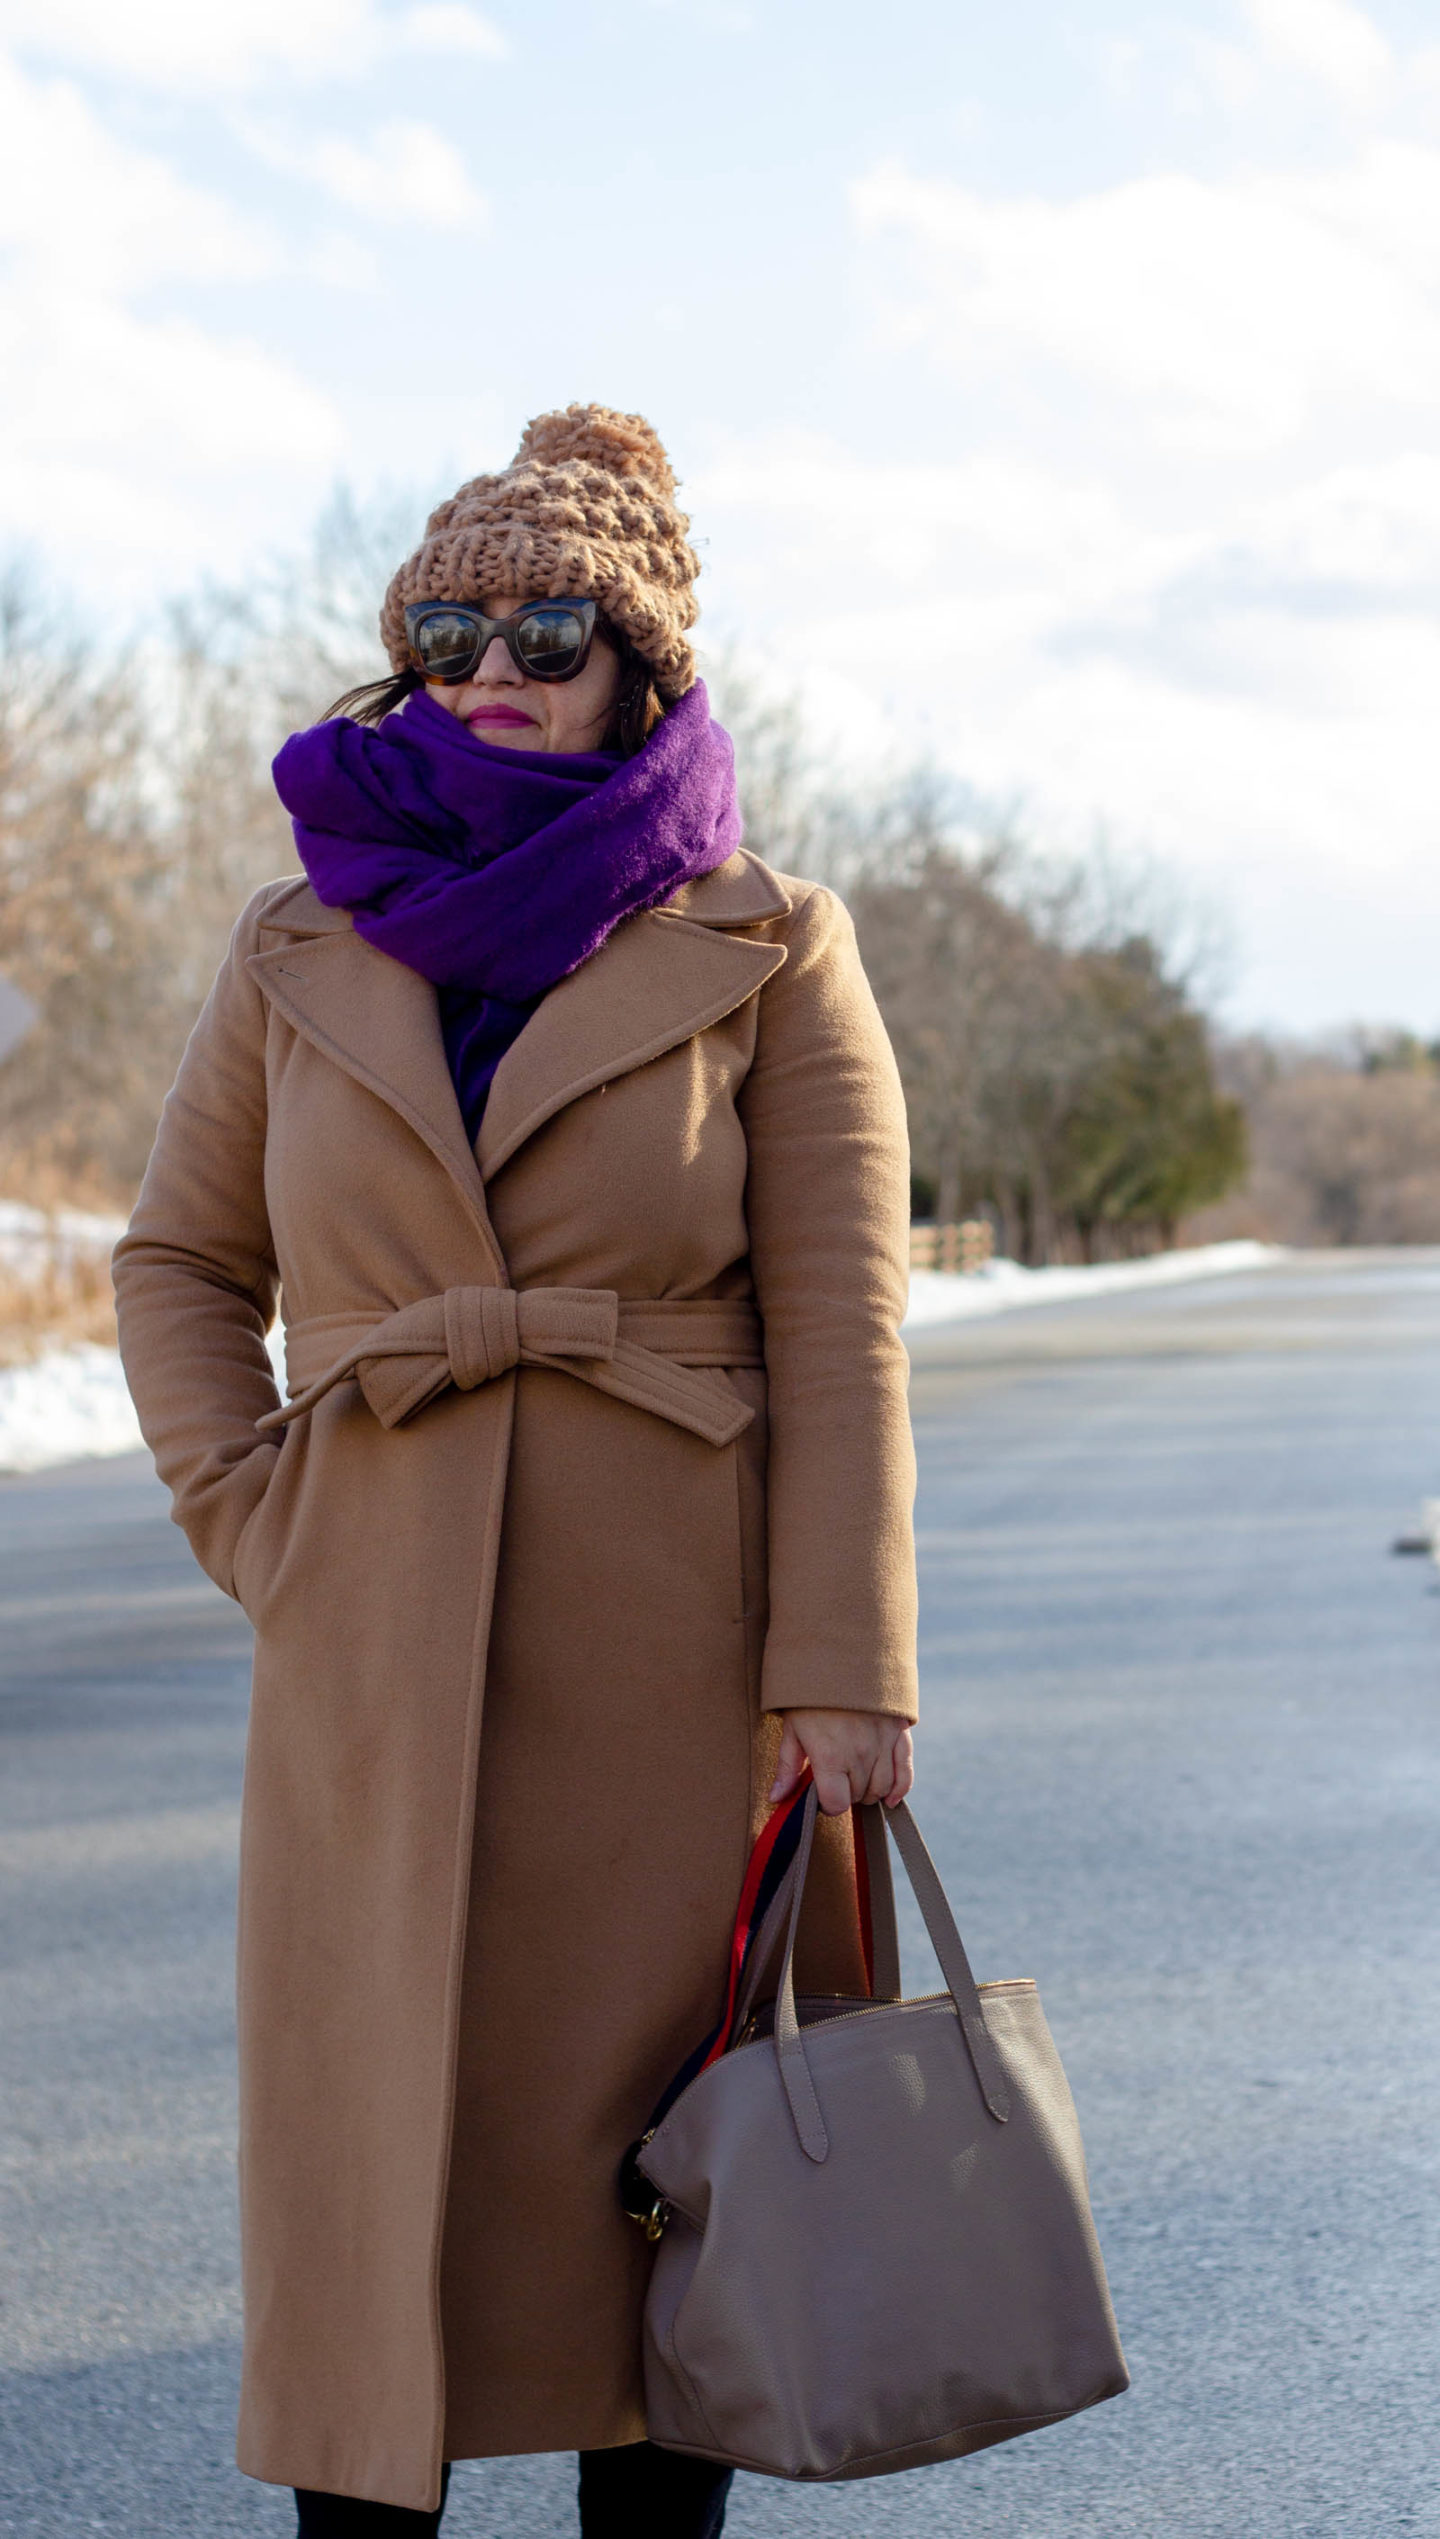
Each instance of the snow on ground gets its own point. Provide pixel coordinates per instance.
(32, 1238)
(69, 1403)
(72, 1402)
(944, 1296)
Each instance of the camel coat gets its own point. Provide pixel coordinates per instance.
(530, 1570)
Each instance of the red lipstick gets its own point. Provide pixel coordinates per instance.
(505, 715)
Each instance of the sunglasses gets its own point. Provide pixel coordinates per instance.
(546, 639)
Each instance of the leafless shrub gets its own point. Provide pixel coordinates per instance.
(69, 1299)
(789, 818)
(1345, 1141)
(245, 669)
(967, 988)
(136, 817)
(1063, 1086)
(82, 881)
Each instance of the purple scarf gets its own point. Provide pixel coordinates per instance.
(496, 872)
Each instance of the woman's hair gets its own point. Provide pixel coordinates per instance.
(636, 712)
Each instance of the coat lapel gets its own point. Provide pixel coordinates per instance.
(377, 1019)
(658, 979)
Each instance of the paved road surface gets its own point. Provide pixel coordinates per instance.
(1180, 1762)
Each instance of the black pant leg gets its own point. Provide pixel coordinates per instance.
(349, 2517)
(640, 2492)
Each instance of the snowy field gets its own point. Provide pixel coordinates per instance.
(71, 1402)
(940, 1296)
(68, 1403)
(33, 1239)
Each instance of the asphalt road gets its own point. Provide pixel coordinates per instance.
(1181, 1761)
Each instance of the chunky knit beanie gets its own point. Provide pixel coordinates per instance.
(585, 510)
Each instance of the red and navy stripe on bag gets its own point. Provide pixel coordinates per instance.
(775, 1849)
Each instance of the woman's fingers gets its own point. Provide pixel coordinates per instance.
(790, 1763)
(889, 1781)
(833, 1788)
(881, 1783)
(902, 1770)
(857, 1756)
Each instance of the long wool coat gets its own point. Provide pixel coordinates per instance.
(528, 1581)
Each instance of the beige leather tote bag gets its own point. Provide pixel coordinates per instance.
(875, 2247)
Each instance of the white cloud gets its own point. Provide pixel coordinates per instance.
(1252, 697)
(445, 26)
(136, 443)
(407, 172)
(178, 44)
(1224, 311)
(98, 391)
(76, 201)
(120, 426)
(1172, 557)
(135, 451)
(1362, 536)
(1331, 40)
(220, 47)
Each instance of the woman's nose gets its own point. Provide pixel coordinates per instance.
(496, 665)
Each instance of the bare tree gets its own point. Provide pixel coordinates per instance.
(1056, 1069)
(82, 872)
(964, 984)
(1346, 1150)
(244, 669)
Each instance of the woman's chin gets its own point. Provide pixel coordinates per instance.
(510, 735)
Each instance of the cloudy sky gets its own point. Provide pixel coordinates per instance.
(1056, 387)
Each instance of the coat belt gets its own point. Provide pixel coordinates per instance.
(651, 1354)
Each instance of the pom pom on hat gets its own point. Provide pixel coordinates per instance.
(620, 444)
(586, 509)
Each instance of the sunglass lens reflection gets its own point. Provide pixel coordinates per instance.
(550, 639)
(446, 643)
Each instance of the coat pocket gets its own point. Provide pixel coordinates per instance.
(263, 1535)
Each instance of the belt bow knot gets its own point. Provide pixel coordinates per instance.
(650, 1354)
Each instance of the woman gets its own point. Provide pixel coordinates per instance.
(569, 1137)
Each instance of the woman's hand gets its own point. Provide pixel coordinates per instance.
(855, 1755)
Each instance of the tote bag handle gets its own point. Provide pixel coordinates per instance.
(945, 1939)
(878, 1935)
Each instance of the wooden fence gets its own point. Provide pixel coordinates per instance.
(964, 1247)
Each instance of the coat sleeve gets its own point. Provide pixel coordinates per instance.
(195, 1276)
(828, 1203)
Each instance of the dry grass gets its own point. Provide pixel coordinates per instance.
(58, 1291)
(66, 1300)
(35, 1178)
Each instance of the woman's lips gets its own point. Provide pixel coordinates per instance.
(505, 715)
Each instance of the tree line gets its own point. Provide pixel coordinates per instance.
(1344, 1139)
(1056, 1062)
(136, 817)
(1059, 1069)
